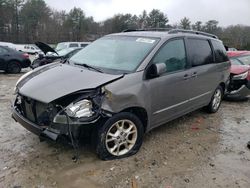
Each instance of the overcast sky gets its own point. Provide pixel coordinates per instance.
(227, 12)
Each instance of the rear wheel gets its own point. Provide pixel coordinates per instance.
(121, 136)
(215, 102)
(13, 67)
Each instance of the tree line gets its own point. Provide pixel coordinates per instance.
(27, 21)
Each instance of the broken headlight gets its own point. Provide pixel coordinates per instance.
(80, 109)
(240, 76)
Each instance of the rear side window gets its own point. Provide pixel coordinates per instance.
(3, 51)
(200, 52)
(84, 45)
(220, 52)
(73, 45)
(173, 55)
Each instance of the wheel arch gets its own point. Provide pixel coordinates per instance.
(223, 85)
(141, 113)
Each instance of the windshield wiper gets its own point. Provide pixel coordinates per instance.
(88, 66)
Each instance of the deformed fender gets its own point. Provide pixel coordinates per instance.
(130, 91)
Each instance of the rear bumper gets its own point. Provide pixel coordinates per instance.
(26, 63)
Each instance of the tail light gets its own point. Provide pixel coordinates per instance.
(25, 55)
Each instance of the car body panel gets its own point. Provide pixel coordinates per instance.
(48, 83)
(239, 69)
(163, 98)
(12, 55)
(239, 89)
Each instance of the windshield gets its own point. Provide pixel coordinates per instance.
(65, 51)
(117, 53)
(60, 46)
(245, 60)
(236, 62)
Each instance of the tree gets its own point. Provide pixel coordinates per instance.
(143, 19)
(17, 5)
(185, 23)
(211, 26)
(197, 26)
(75, 24)
(157, 19)
(34, 16)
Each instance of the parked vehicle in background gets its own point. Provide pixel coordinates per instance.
(30, 49)
(52, 55)
(239, 87)
(123, 85)
(13, 61)
(64, 45)
(8, 44)
(232, 49)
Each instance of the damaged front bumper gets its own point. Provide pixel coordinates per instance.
(44, 120)
(34, 128)
(242, 92)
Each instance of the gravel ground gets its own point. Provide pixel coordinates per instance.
(197, 150)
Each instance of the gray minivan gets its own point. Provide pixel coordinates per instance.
(122, 86)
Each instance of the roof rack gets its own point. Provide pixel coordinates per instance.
(173, 31)
(147, 29)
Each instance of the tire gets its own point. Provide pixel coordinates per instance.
(125, 140)
(13, 67)
(216, 100)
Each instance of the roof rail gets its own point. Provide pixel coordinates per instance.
(173, 31)
(147, 29)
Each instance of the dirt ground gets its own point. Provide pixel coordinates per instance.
(197, 150)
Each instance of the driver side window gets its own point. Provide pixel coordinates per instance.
(173, 55)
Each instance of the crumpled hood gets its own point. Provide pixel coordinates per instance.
(56, 80)
(238, 69)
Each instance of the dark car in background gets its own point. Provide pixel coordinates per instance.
(52, 55)
(239, 87)
(12, 61)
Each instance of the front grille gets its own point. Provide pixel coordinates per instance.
(37, 112)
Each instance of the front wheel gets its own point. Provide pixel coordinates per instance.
(215, 102)
(121, 136)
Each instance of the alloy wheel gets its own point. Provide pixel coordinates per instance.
(121, 137)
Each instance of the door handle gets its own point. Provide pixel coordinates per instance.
(194, 75)
(186, 77)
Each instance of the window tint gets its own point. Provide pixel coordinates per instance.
(236, 62)
(200, 52)
(220, 52)
(3, 51)
(84, 45)
(173, 55)
(73, 45)
(245, 60)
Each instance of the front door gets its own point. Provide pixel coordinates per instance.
(169, 93)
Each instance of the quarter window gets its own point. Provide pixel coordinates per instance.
(200, 52)
(220, 52)
(3, 51)
(173, 55)
(73, 45)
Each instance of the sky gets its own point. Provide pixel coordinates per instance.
(227, 12)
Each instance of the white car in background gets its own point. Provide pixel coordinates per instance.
(8, 44)
(64, 45)
(30, 49)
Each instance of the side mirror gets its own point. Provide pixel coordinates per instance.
(156, 70)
